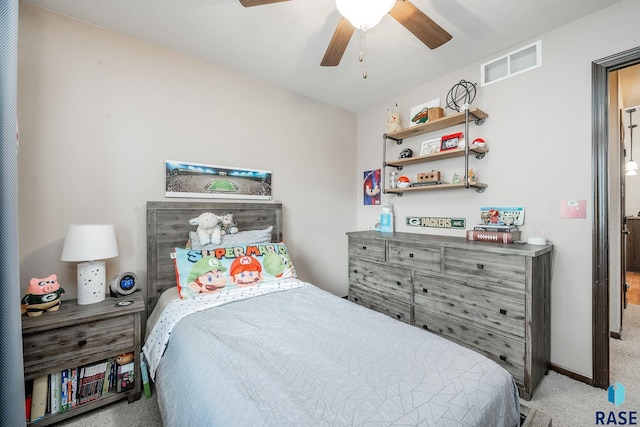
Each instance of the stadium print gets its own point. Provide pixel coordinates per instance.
(199, 180)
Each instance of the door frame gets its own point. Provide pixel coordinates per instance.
(600, 70)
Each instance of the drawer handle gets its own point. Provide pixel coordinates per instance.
(356, 299)
(399, 283)
(410, 255)
(425, 290)
(503, 357)
(364, 248)
(480, 266)
(355, 271)
(399, 316)
(503, 311)
(425, 327)
(82, 343)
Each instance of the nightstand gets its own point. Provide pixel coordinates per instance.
(78, 335)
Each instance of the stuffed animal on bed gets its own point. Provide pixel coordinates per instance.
(208, 228)
(42, 295)
(227, 224)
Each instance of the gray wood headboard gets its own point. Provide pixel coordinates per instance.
(168, 227)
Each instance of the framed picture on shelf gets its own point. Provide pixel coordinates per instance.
(430, 146)
(420, 113)
(450, 142)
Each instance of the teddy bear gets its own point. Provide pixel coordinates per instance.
(227, 224)
(208, 228)
(42, 295)
(393, 120)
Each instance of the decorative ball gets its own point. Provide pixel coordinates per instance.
(403, 181)
(479, 142)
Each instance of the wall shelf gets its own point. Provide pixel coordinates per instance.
(464, 117)
(449, 154)
(438, 124)
(445, 186)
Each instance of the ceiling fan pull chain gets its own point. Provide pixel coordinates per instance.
(362, 58)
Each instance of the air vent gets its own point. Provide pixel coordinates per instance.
(511, 64)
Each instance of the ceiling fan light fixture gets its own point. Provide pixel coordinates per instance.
(364, 14)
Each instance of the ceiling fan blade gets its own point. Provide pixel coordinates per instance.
(338, 43)
(250, 3)
(419, 24)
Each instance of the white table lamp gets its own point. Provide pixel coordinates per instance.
(90, 243)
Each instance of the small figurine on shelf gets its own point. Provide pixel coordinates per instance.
(393, 179)
(42, 295)
(471, 176)
(485, 216)
(455, 179)
(393, 120)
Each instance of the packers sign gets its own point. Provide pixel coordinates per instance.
(435, 222)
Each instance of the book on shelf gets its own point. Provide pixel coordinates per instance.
(493, 236)
(64, 390)
(64, 393)
(496, 227)
(39, 397)
(91, 381)
(125, 377)
(113, 378)
(54, 392)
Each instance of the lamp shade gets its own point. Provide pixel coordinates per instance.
(364, 14)
(89, 242)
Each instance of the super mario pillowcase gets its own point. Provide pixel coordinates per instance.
(209, 271)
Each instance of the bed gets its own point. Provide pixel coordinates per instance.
(284, 352)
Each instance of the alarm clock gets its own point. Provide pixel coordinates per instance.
(123, 284)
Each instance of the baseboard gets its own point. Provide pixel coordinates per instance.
(571, 374)
(615, 335)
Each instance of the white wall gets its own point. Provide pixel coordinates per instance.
(539, 136)
(99, 113)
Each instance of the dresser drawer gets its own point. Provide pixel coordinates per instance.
(397, 309)
(416, 256)
(80, 343)
(507, 269)
(473, 302)
(367, 249)
(388, 282)
(507, 352)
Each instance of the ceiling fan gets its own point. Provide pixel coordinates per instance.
(403, 11)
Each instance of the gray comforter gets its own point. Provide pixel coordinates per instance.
(304, 357)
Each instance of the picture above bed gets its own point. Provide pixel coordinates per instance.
(212, 270)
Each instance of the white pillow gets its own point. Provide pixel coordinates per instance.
(239, 238)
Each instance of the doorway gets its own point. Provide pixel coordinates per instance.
(600, 183)
(629, 89)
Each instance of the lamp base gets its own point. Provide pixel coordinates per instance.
(91, 282)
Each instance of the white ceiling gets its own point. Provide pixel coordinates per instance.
(283, 43)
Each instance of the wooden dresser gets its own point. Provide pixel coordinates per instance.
(491, 297)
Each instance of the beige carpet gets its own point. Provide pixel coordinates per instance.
(569, 403)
